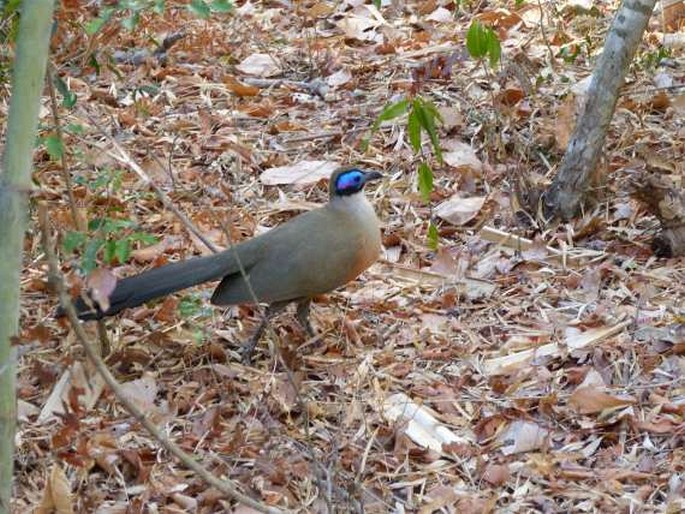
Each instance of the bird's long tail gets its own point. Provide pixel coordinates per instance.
(161, 281)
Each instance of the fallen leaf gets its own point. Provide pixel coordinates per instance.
(304, 172)
(522, 436)
(589, 400)
(462, 156)
(496, 474)
(260, 65)
(142, 392)
(440, 15)
(421, 426)
(56, 495)
(339, 78)
(460, 211)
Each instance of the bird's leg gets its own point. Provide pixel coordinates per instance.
(271, 311)
(303, 315)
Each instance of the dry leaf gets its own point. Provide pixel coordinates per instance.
(590, 400)
(440, 15)
(496, 474)
(522, 436)
(461, 155)
(339, 78)
(142, 392)
(57, 494)
(260, 65)
(421, 426)
(361, 24)
(304, 172)
(460, 211)
(78, 376)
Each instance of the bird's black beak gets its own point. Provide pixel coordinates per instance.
(370, 176)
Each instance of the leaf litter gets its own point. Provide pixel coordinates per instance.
(552, 358)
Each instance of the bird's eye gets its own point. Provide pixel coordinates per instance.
(357, 178)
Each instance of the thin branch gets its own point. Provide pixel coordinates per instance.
(60, 135)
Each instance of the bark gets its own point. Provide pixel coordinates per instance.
(564, 196)
(667, 203)
(15, 182)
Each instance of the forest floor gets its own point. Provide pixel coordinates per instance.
(520, 367)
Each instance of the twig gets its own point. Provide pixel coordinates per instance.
(228, 487)
(60, 136)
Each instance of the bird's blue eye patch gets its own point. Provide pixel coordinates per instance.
(350, 181)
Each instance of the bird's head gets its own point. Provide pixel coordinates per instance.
(349, 181)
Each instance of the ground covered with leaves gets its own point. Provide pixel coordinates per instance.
(517, 367)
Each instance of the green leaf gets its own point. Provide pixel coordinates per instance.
(112, 226)
(11, 7)
(72, 241)
(433, 110)
(142, 237)
(74, 128)
(482, 41)
(190, 306)
(158, 7)
(93, 61)
(425, 181)
(122, 250)
(222, 6)
(414, 130)
(477, 40)
(89, 257)
(109, 251)
(199, 8)
(427, 120)
(433, 237)
(390, 112)
(69, 97)
(131, 22)
(53, 145)
(494, 48)
(96, 24)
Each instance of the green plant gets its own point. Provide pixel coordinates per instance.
(482, 42)
(111, 239)
(652, 59)
(107, 239)
(422, 117)
(193, 305)
(129, 11)
(204, 9)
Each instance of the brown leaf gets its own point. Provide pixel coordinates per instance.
(57, 494)
(496, 474)
(460, 211)
(589, 400)
(240, 89)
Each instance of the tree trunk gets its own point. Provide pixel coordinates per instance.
(564, 196)
(15, 183)
(667, 203)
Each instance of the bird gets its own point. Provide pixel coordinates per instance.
(311, 254)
